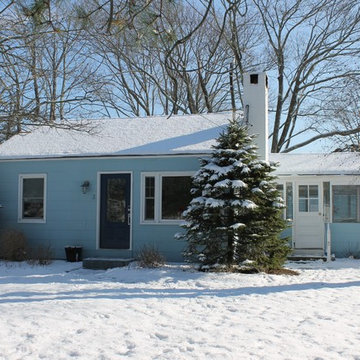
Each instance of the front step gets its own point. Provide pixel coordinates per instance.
(307, 254)
(305, 258)
(105, 263)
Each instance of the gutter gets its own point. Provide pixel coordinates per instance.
(105, 156)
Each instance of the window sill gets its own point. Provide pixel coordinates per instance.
(32, 221)
(345, 222)
(162, 222)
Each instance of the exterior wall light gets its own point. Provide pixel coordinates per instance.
(85, 186)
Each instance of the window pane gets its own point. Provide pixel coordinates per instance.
(149, 211)
(33, 198)
(303, 205)
(149, 186)
(280, 189)
(345, 203)
(33, 187)
(289, 201)
(313, 191)
(314, 205)
(303, 191)
(33, 208)
(308, 198)
(175, 196)
(116, 200)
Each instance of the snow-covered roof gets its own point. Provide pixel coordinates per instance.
(159, 135)
(317, 164)
(130, 136)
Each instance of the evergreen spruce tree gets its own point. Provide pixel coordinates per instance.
(236, 210)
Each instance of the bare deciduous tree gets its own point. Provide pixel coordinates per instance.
(126, 58)
(138, 79)
(312, 46)
(45, 73)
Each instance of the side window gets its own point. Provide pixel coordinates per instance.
(149, 203)
(164, 196)
(286, 192)
(289, 201)
(280, 189)
(32, 202)
(345, 203)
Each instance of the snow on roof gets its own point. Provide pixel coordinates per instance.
(159, 135)
(317, 164)
(130, 136)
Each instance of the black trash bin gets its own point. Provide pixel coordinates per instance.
(73, 253)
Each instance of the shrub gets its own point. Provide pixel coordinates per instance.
(42, 255)
(13, 245)
(149, 257)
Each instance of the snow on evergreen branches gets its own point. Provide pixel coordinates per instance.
(236, 211)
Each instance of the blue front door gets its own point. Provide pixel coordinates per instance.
(115, 211)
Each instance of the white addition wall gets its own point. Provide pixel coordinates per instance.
(308, 228)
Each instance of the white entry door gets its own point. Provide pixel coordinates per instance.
(309, 223)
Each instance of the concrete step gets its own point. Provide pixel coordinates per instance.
(105, 263)
(305, 258)
(307, 254)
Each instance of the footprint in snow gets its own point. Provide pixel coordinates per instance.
(74, 354)
(161, 336)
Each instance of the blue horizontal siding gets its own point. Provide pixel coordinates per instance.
(345, 239)
(71, 215)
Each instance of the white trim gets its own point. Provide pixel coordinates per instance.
(352, 179)
(20, 198)
(98, 207)
(158, 175)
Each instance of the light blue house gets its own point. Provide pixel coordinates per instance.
(111, 191)
(125, 182)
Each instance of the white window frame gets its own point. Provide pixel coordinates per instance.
(157, 198)
(20, 198)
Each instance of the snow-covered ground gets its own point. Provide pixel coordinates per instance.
(63, 312)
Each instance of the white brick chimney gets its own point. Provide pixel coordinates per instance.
(255, 102)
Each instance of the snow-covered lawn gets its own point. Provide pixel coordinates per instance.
(62, 312)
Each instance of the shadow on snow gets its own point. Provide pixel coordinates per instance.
(151, 293)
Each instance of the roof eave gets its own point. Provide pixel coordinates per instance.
(102, 156)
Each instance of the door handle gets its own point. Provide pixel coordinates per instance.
(129, 219)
